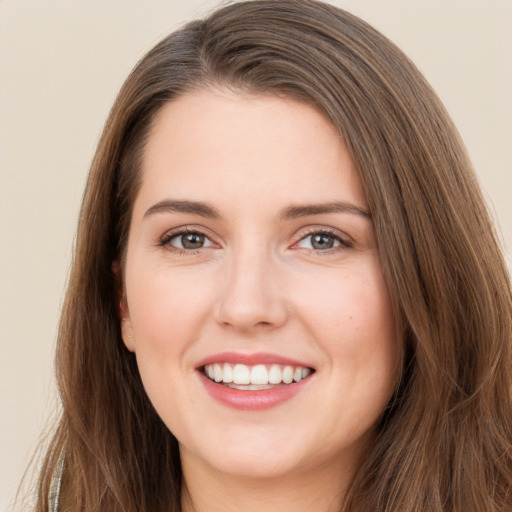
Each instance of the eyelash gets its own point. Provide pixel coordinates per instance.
(344, 243)
(165, 241)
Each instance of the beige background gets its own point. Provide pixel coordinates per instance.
(61, 64)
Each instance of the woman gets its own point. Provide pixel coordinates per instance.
(264, 314)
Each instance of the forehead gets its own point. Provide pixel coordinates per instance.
(213, 145)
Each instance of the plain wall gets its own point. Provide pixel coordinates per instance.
(61, 65)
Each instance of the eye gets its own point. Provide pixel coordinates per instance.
(322, 241)
(187, 240)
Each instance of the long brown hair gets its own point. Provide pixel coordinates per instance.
(444, 441)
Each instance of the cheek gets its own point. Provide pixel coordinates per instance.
(167, 311)
(355, 302)
(166, 307)
(353, 323)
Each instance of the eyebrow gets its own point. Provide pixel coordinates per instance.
(294, 212)
(177, 206)
(290, 212)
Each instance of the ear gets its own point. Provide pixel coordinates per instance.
(122, 309)
(126, 324)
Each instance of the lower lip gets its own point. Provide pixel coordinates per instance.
(252, 400)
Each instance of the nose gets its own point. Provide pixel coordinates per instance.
(251, 298)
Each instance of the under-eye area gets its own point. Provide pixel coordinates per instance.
(260, 376)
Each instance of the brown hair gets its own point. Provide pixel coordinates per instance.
(444, 442)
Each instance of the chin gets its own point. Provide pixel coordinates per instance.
(251, 456)
(256, 467)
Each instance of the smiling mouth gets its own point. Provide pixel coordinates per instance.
(257, 377)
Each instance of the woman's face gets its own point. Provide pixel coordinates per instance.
(255, 302)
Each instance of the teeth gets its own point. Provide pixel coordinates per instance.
(227, 375)
(260, 376)
(217, 372)
(241, 374)
(250, 387)
(288, 375)
(275, 376)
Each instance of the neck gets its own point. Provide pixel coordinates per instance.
(321, 489)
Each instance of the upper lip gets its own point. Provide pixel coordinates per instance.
(251, 359)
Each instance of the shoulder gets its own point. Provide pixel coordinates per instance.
(53, 495)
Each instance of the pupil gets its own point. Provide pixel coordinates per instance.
(322, 241)
(192, 240)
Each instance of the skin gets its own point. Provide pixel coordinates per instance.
(258, 285)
